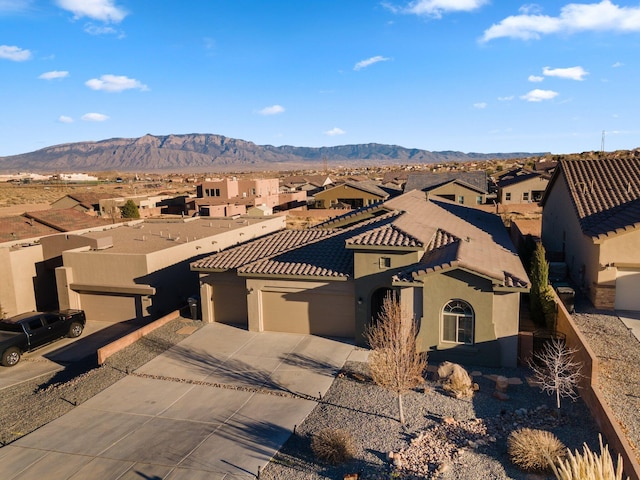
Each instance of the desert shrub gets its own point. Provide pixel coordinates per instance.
(333, 445)
(534, 450)
(589, 465)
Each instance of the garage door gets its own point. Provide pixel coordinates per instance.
(230, 304)
(108, 308)
(628, 290)
(331, 315)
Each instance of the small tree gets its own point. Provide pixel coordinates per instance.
(130, 210)
(539, 274)
(394, 361)
(555, 369)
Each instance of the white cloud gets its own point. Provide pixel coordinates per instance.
(535, 78)
(14, 6)
(335, 131)
(115, 83)
(272, 110)
(480, 105)
(506, 99)
(102, 10)
(370, 61)
(538, 95)
(94, 117)
(435, 8)
(65, 119)
(53, 75)
(93, 29)
(617, 65)
(571, 73)
(574, 17)
(16, 54)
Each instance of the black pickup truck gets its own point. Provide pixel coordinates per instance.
(28, 331)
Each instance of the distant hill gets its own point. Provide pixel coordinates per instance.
(208, 152)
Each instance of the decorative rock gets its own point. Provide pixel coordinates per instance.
(515, 381)
(476, 373)
(390, 455)
(502, 383)
(503, 397)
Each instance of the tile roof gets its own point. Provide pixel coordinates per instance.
(428, 181)
(365, 186)
(21, 228)
(451, 235)
(67, 219)
(605, 193)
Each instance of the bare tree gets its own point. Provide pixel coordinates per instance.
(555, 369)
(394, 361)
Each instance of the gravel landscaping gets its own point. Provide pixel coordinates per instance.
(444, 437)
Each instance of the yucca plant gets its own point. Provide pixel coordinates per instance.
(588, 465)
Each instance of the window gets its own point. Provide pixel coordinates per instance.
(525, 196)
(460, 199)
(385, 262)
(479, 200)
(457, 322)
(507, 196)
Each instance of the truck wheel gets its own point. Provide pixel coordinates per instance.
(75, 330)
(11, 356)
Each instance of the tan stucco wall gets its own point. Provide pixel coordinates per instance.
(488, 309)
(18, 269)
(469, 195)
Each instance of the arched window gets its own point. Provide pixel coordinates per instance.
(457, 322)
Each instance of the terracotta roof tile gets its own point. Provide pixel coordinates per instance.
(67, 219)
(387, 235)
(605, 193)
(21, 228)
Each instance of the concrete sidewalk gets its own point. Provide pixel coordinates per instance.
(174, 419)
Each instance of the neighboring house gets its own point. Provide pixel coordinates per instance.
(453, 268)
(306, 183)
(350, 194)
(82, 202)
(466, 188)
(141, 269)
(545, 166)
(591, 221)
(222, 196)
(28, 279)
(521, 186)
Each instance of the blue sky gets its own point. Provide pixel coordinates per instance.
(469, 75)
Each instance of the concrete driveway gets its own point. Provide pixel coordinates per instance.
(218, 406)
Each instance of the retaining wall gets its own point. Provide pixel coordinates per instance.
(114, 347)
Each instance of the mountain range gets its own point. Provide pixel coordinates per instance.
(209, 152)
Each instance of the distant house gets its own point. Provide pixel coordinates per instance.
(228, 196)
(521, 185)
(306, 183)
(452, 267)
(591, 221)
(83, 202)
(350, 194)
(465, 188)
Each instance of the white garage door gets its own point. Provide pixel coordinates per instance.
(628, 290)
(331, 315)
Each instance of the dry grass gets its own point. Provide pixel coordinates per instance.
(589, 465)
(534, 450)
(333, 445)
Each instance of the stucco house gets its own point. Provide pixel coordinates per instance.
(352, 194)
(453, 268)
(591, 221)
(466, 188)
(140, 269)
(521, 185)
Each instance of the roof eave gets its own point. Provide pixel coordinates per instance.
(280, 276)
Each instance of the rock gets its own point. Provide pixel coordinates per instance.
(502, 383)
(515, 381)
(503, 397)
(476, 373)
(390, 455)
(455, 380)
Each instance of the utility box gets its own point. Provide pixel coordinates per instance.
(194, 305)
(567, 296)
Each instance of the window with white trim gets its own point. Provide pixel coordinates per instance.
(457, 322)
